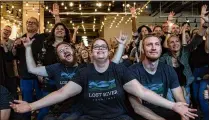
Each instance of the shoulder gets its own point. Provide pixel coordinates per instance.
(165, 66)
(136, 66)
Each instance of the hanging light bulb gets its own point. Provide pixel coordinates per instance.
(71, 4)
(47, 7)
(108, 9)
(12, 6)
(1, 6)
(33, 7)
(26, 3)
(187, 20)
(95, 10)
(62, 4)
(65, 7)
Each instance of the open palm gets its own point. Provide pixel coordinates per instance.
(122, 38)
(55, 10)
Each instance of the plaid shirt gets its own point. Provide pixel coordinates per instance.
(183, 58)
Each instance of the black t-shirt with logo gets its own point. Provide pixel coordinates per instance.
(62, 75)
(165, 78)
(103, 93)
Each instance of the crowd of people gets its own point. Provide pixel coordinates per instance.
(160, 74)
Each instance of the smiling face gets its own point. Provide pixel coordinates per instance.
(100, 50)
(84, 54)
(66, 54)
(174, 44)
(175, 29)
(158, 31)
(152, 48)
(32, 25)
(144, 31)
(59, 31)
(6, 32)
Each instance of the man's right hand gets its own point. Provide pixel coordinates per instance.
(26, 41)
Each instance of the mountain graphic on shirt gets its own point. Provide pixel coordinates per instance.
(64, 75)
(95, 85)
(157, 88)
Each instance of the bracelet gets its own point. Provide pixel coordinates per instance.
(31, 108)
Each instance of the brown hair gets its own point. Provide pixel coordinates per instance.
(72, 47)
(141, 46)
(99, 39)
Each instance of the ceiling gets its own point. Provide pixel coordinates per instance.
(72, 16)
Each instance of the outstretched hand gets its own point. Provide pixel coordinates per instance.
(170, 16)
(26, 41)
(20, 106)
(55, 10)
(133, 10)
(184, 111)
(122, 38)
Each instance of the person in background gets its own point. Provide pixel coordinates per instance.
(199, 61)
(7, 44)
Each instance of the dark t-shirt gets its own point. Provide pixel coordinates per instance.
(103, 93)
(36, 48)
(62, 75)
(164, 78)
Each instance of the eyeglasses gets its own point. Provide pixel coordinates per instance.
(101, 47)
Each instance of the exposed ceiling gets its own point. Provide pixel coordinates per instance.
(71, 14)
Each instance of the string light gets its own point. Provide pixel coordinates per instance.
(108, 9)
(33, 7)
(26, 3)
(109, 4)
(127, 5)
(12, 6)
(65, 7)
(20, 10)
(47, 22)
(47, 7)
(62, 4)
(95, 10)
(71, 4)
(26, 13)
(1, 6)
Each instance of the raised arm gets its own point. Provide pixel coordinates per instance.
(122, 41)
(69, 90)
(170, 24)
(135, 88)
(142, 110)
(133, 18)
(55, 13)
(205, 19)
(74, 34)
(31, 65)
(184, 42)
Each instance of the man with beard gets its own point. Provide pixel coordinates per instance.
(157, 77)
(60, 72)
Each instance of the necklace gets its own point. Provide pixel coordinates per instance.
(66, 69)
